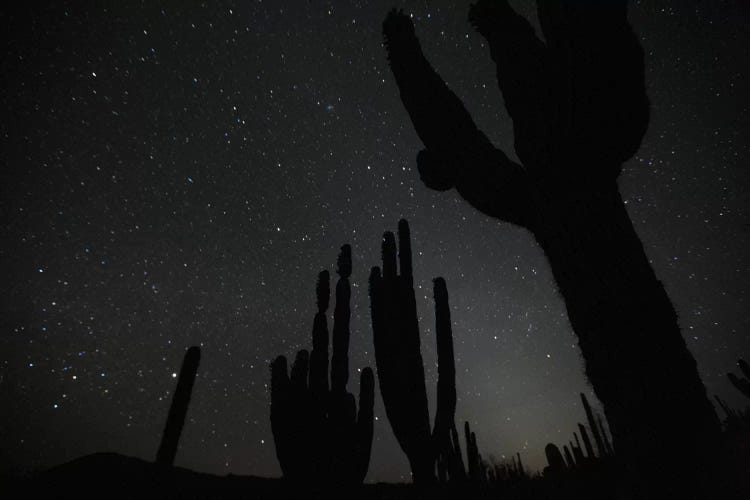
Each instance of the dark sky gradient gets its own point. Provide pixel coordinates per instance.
(177, 173)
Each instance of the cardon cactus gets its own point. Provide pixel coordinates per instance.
(399, 359)
(579, 108)
(320, 438)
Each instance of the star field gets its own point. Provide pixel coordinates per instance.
(177, 174)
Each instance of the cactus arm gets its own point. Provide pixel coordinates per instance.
(522, 74)
(457, 153)
(598, 84)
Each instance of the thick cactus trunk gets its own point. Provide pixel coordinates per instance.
(636, 358)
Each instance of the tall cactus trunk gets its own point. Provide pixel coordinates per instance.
(635, 356)
(177, 411)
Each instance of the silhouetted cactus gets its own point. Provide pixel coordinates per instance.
(458, 470)
(320, 438)
(399, 359)
(521, 469)
(741, 383)
(450, 463)
(593, 426)
(586, 442)
(568, 457)
(579, 110)
(178, 409)
(729, 412)
(473, 459)
(577, 452)
(555, 460)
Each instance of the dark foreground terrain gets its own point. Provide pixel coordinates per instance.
(110, 475)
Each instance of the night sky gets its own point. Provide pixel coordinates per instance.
(176, 173)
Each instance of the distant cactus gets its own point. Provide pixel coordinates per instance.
(319, 437)
(399, 360)
(178, 409)
(450, 463)
(568, 457)
(601, 448)
(521, 469)
(586, 442)
(473, 459)
(555, 460)
(741, 383)
(729, 412)
(577, 452)
(457, 470)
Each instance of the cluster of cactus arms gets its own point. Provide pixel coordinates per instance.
(320, 437)
(398, 358)
(600, 446)
(579, 110)
(178, 409)
(573, 454)
(741, 383)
